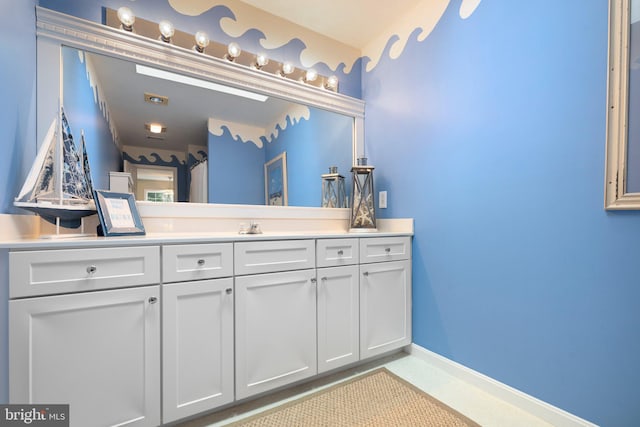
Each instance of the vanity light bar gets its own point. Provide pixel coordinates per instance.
(192, 81)
(201, 43)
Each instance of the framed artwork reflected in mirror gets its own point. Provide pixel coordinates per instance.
(275, 181)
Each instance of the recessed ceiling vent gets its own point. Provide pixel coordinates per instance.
(156, 99)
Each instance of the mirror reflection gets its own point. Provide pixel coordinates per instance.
(188, 139)
(633, 137)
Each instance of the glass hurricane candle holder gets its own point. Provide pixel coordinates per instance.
(334, 194)
(363, 215)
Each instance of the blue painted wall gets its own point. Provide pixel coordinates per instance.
(18, 100)
(308, 157)
(235, 165)
(312, 146)
(491, 134)
(83, 113)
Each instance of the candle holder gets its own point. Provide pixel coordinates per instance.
(334, 194)
(363, 215)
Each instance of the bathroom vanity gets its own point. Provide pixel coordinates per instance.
(150, 330)
(193, 317)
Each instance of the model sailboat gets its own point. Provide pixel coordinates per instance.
(58, 187)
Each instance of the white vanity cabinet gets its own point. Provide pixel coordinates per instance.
(385, 294)
(338, 303)
(155, 333)
(97, 351)
(197, 329)
(275, 314)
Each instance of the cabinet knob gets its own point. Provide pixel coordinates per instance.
(387, 250)
(340, 252)
(201, 261)
(153, 300)
(92, 269)
(313, 280)
(228, 291)
(366, 273)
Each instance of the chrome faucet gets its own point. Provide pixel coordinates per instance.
(253, 228)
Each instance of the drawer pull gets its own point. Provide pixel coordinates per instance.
(340, 252)
(228, 291)
(313, 280)
(201, 261)
(387, 250)
(92, 269)
(153, 300)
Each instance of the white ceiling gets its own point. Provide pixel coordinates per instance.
(353, 22)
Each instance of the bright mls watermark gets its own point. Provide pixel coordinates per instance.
(34, 415)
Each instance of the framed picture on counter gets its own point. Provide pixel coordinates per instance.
(118, 214)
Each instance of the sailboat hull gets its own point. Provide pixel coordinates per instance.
(70, 216)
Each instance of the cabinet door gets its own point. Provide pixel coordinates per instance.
(197, 347)
(275, 330)
(385, 307)
(338, 317)
(99, 352)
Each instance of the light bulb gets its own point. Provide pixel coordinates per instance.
(261, 60)
(202, 41)
(287, 68)
(332, 83)
(155, 128)
(166, 30)
(127, 18)
(233, 51)
(310, 75)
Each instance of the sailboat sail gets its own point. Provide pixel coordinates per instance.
(85, 164)
(75, 187)
(58, 186)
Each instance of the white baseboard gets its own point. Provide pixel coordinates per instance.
(549, 413)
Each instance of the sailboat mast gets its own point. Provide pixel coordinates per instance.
(59, 161)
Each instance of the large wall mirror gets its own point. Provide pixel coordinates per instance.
(133, 83)
(622, 190)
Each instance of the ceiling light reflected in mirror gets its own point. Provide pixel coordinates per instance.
(192, 81)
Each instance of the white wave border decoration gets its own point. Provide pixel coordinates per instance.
(321, 49)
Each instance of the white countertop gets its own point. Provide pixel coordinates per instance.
(175, 238)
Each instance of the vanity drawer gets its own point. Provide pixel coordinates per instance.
(377, 249)
(336, 252)
(270, 257)
(181, 263)
(76, 270)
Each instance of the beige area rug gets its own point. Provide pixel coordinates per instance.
(377, 398)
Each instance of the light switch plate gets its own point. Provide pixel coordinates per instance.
(382, 199)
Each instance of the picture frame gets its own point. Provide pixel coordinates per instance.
(275, 181)
(118, 214)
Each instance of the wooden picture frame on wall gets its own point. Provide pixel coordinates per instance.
(275, 181)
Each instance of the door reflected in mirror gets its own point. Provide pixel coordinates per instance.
(150, 122)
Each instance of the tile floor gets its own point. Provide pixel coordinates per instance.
(467, 399)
